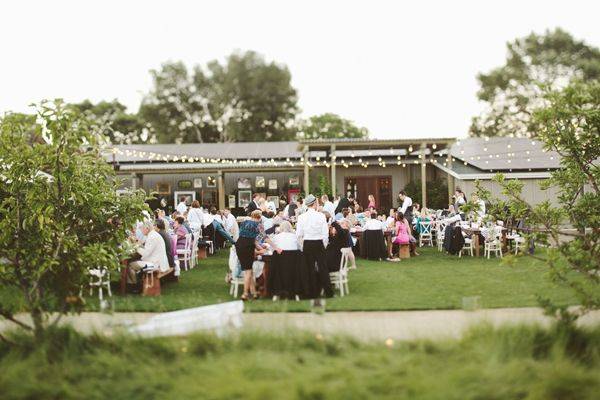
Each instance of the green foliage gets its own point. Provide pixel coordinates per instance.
(322, 186)
(534, 64)
(437, 193)
(246, 99)
(59, 212)
(119, 126)
(503, 364)
(331, 126)
(569, 125)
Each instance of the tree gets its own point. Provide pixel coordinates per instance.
(569, 125)
(331, 126)
(59, 212)
(246, 99)
(534, 65)
(120, 126)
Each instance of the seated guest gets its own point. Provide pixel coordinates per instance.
(214, 224)
(287, 274)
(349, 216)
(360, 215)
(267, 220)
(180, 232)
(286, 239)
(339, 238)
(186, 224)
(352, 260)
(230, 224)
(372, 223)
(416, 209)
(171, 254)
(401, 234)
(373, 246)
(153, 253)
(278, 218)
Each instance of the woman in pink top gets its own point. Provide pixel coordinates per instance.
(402, 236)
(371, 202)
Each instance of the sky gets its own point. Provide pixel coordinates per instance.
(401, 69)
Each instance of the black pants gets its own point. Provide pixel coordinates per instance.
(314, 253)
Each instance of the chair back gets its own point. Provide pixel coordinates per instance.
(344, 259)
(188, 241)
(425, 227)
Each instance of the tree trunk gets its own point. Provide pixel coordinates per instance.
(38, 323)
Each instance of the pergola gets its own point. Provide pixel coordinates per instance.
(413, 148)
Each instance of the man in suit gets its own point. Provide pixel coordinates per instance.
(254, 204)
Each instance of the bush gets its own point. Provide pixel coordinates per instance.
(437, 193)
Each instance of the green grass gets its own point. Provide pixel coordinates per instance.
(430, 281)
(509, 363)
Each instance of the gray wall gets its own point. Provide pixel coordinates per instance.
(531, 190)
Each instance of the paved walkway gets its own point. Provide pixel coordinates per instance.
(398, 325)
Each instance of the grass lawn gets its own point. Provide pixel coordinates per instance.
(430, 281)
(510, 363)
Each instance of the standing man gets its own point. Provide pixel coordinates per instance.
(182, 206)
(254, 204)
(406, 208)
(313, 232)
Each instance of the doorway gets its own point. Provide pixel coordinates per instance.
(362, 186)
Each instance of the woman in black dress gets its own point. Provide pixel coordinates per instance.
(252, 232)
(339, 238)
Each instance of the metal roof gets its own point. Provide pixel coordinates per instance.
(505, 153)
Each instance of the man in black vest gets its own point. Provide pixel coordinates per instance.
(406, 207)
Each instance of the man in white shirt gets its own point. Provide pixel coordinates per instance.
(313, 232)
(195, 216)
(373, 224)
(182, 206)
(231, 224)
(481, 206)
(153, 253)
(327, 205)
(406, 208)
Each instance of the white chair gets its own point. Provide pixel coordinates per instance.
(185, 254)
(194, 256)
(439, 235)
(519, 244)
(100, 278)
(339, 279)
(234, 282)
(468, 246)
(493, 244)
(425, 235)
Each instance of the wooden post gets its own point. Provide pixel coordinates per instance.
(306, 171)
(423, 176)
(450, 177)
(333, 162)
(221, 189)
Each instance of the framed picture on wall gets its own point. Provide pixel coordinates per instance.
(184, 184)
(163, 188)
(231, 201)
(244, 183)
(272, 184)
(294, 180)
(211, 181)
(197, 183)
(260, 181)
(244, 198)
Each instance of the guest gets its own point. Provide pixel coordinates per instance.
(371, 205)
(339, 237)
(373, 246)
(267, 220)
(411, 239)
(416, 209)
(254, 204)
(195, 216)
(182, 206)
(360, 216)
(230, 224)
(480, 211)
(153, 253)
(345, 202)
(327, 205)
(406, 208)
(286, 238)
(460, 199)
(180, 232)
(312, 230)
(216, 223)
(270, 206)
(372, 223)
(278, 218)
(352, 260)
(350, 216)
(290, 210)
(252, 233)
(161, 229)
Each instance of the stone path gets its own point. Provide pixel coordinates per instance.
(367, 326)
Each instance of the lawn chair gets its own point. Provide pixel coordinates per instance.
(339, 279)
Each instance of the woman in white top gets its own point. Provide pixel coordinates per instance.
(286, 239)
(195, 216)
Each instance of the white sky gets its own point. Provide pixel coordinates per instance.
(402, 69)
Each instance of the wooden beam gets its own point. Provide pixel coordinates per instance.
(306, 172)
(221, 189)
(423, 176)
(333, 162)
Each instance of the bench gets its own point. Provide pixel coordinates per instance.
(404, 251)
(151, 282)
